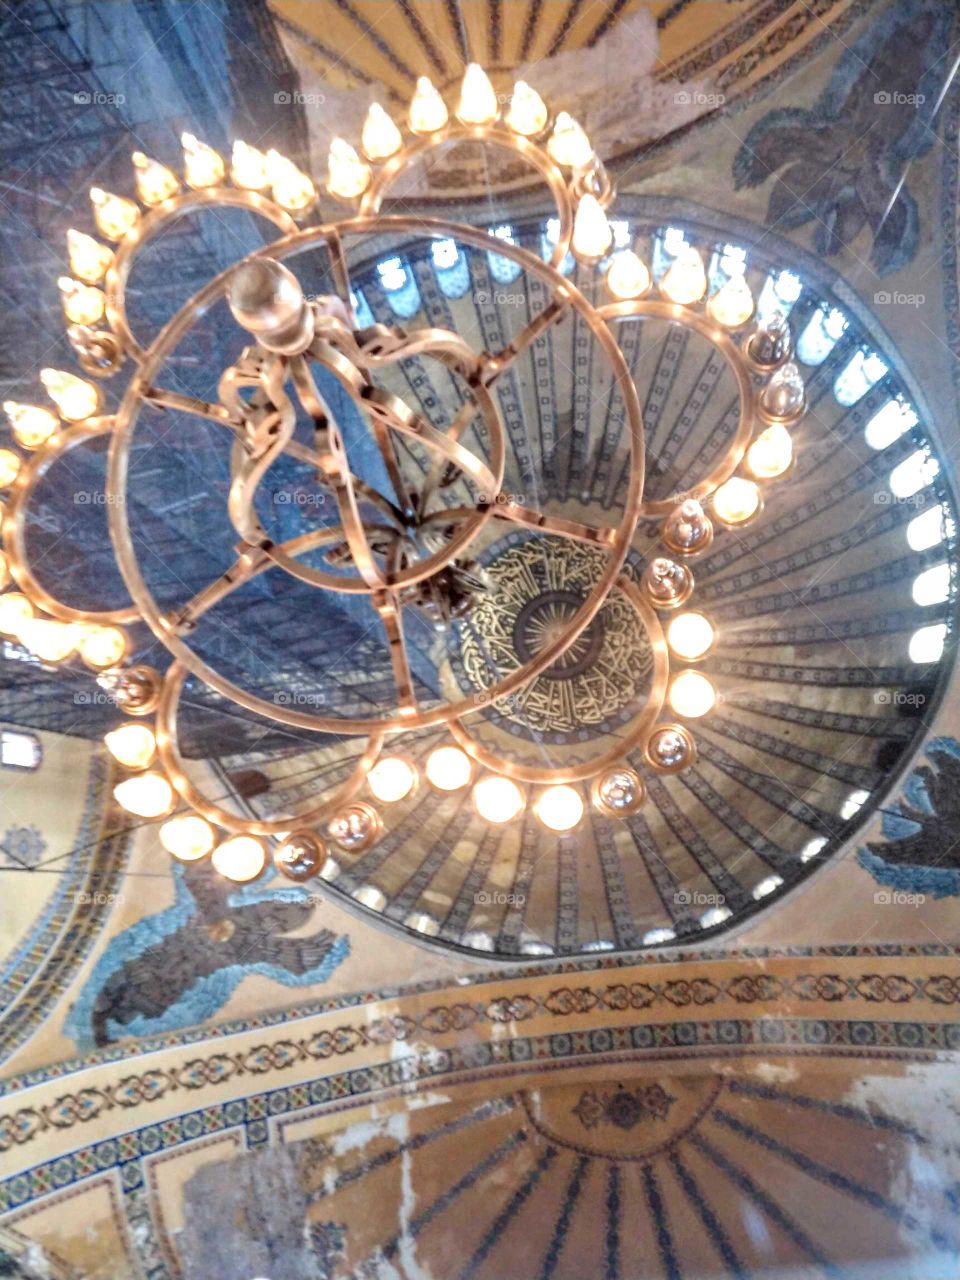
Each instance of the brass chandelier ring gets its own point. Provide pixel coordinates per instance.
(141, 386)
(674, 313)
(154, 221)
(169, 755)
(31, 473)
(535, 156)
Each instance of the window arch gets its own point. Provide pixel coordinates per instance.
(889, 423)
(821, 335)
(19, 750)
(858, 375)
(399, 286)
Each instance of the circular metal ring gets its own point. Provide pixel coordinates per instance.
(636, 734)
(169, 756)
(32, 470)
(115, 284)
(674, 313)
(537, 157)
(289, 246)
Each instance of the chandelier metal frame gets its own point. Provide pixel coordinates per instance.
(257, 406)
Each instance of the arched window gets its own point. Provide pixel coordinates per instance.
(823, 331)
(927, 529)
(666, 246)
(504, 270)
(933, 585)
(913, 474)
(399, 286)
(926, 643)
(853, 804)
(889, 423)
(451, 268)
(727, 261)
(780, 291)
(20, 750)
(857, 376)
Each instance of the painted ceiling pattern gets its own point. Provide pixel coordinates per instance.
(722, 1140)
(699, 1115)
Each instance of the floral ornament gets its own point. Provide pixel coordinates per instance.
(624, 1108)
(920, 852)
(842, 163)
(23, 846)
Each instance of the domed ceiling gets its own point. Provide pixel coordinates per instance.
(714, 1037)
(825, 606)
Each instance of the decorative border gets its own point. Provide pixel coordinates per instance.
(209, 1035)
(877, 1040)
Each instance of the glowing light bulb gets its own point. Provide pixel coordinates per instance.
(448, 768)
(690, 636)
(292, 189)
(736, 501)
(132, 745)
(114, 215)
(392, 778)
(148, 795)
(628, 276)
(202, 166)
(102, 647)
(15, 610)
(31, 424)
(687, 529)
(82, 303)
(686, 280)
(347, 175)
(428, 112)
(784, 395)
(74, 397)
(732, 305)
(155, 182)
(559, 808)
(478, 101)
(248, 167)
(187, 837)
(380, 137)
(619, 792)
(691, 695)
(241, 858)
(9, 467)
(568, 144)
(592, 233)
(527, 113)
(300, 855)
(89, 259)
(47, 639)
(498, 799)
(771, 453)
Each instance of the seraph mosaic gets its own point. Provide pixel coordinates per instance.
(842, 163)
(920, 852)
(179, 967)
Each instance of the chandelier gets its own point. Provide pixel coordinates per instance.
(407, 549)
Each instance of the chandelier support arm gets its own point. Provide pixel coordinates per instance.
(497, 362)
(388, 607)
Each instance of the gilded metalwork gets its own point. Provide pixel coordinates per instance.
(554, 635)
